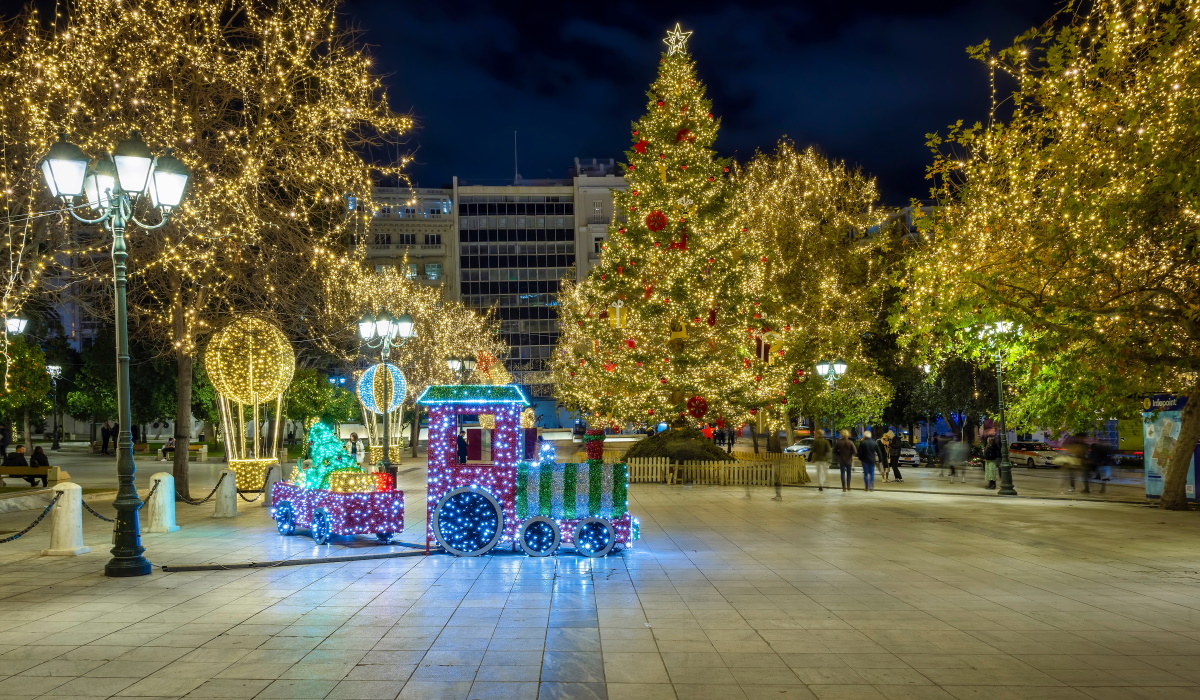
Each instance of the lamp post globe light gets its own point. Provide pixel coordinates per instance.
(462, 367)
(113, 185)
(55, 372)
(381, 331)
(15, 325)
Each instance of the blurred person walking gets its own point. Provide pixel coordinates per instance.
(868, 454)
(844, 450)
(1095, 464)
(1076, 451)
(885, 446)
(819, 455)
(106, 434)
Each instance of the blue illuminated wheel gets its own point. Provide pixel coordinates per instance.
(285, 518)
(594, 537)
(322, 526)
(468, 522)
(384, 537)
(539, 536)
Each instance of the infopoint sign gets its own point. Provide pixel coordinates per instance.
(1161, 418)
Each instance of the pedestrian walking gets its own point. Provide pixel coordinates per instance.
(819, 455)
(894, 459)
(1096, 466)
(868, 454)
(106, 434)
(136, 432)
(843, 450)
(957, 454)
(991, 462)
(1076, 450)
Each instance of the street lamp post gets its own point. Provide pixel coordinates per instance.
(55, 372)
(381, 332)
(461, 367)
(1006, 482)
(831, 372)
(112, 186)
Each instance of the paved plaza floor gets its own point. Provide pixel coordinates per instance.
(898, 595)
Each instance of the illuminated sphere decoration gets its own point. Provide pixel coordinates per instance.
(468, 522)
(250, 361)
(374, 389)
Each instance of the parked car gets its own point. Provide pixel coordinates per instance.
(1033, 454)
(908, 454)
(803, 447)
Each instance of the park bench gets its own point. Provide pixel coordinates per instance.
(49, 475)
(196, 452)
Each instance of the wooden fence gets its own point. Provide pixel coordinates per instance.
(756, 472)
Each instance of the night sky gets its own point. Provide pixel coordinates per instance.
(862, 81)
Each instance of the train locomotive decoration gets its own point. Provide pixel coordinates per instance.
(334, 496)
(538, 505)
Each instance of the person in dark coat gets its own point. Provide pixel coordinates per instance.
(843, 451)
(868, 453)
(17, 459)
(37, 459)
(106, 434)
(462, 448)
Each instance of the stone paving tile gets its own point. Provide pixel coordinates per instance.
(825, 595)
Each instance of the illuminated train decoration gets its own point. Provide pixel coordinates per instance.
(536, 505)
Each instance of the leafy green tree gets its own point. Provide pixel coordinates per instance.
(1074, 218)
(26, 385)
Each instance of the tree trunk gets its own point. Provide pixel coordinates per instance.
(1174, 495)
(954, 423)
(183, 423)
(28, 433)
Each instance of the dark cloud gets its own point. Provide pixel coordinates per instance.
(863, 82)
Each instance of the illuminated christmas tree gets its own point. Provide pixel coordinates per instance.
(328, 455)
(672, 321)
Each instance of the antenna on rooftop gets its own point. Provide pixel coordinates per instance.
(516, 173)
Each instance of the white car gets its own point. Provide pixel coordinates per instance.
(800, 448)
(908, 455)
(1033, 455)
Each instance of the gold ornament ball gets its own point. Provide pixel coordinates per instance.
(250, 361)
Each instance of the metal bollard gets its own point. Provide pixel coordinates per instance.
(66, 523)
(273, 477)
(160, 509)
(226, 496)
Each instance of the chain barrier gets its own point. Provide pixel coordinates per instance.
(151, 494)
(36, 520)
(261, 491)
(89, 509)
(206, 499)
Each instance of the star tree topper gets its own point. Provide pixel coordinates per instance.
(676, 40)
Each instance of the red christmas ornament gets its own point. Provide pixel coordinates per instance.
(711, 261)
(631, 344)
(656, 220)
(712, 317)
(662, 380)
(745, 362)
(649, 290)
(795, 381)
(657, 244)
(787, 328)
(635, 133)
(661, 103)
(754, 411)
(696, 320)
(758, 377)
(726, 169)
(639, 364)
(610, 366)
(621, 230)
(697, 406)
(684, 135)
(630, 167)
(650, 411)
(603, 277)
(683, 167)
(632, 208)
(757, 315)
(710, 179)
(710, 116)
(640, 146)
(764, 258)
(782, 400)
(636, 193)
